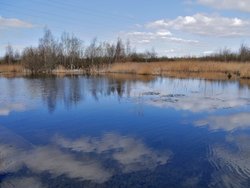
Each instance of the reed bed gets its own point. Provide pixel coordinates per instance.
(181, 69)
(207, 69)
(6, 69)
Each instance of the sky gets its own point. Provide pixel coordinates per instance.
(172, 28)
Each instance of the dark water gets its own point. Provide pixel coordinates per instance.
(123, 131)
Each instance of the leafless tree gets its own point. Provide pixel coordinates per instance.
(9, 54)
(17, 55)
(47, 49)
(119, 51)
(32, 60)
(244, 53)
(71, 50)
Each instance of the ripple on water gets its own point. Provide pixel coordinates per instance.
(231, 162)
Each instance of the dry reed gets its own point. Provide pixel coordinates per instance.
(209, 70)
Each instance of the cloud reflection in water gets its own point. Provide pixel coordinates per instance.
(226, 122)
(131, 153)
(60, 158)
(6, 109)
(196, 102)
(23, 182)
(231, 158)
(52, 160)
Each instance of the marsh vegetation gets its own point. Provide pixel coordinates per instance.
(68, 54)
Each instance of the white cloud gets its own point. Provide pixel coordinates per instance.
(149, 35)
(181, 40)
(240, 5)
(206, 25)
(162, 35)
(144, 41)
(14, 23)
(208, 52)
(169, 51)
(227, 123)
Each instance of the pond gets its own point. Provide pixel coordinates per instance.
(123, 131)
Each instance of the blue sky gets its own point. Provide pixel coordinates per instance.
(173, 27)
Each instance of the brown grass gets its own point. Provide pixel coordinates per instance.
(184, 69)
(11, 70)
(181, 69)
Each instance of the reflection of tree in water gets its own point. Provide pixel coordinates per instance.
(71, 90)
(116, 87)
(55, 89)
(49, 92)
(103, 86)
(74, 96)
(67, 90)
(110, 85)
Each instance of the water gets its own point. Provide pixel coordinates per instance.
(123, 131)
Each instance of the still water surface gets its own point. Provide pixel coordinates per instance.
(123, 131)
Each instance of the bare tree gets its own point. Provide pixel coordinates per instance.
(244, 53)
(72, 50)
(120, 51)
(75, 51)
(9, 54)
(110, 53)
(32, 60)
(128, 50)
(47, 49)
(17, 55)
(91, 51)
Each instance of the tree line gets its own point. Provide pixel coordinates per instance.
(69, 52)
(226, 55)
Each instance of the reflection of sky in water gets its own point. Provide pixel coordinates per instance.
(7, 108)
(227, 122)
(232, 159)
(192, 95)
(123, 131)
(82, 158)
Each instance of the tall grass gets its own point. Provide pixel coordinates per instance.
(182, 69)
(207, 69)
(4, 68)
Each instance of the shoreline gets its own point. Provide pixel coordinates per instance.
(177, 69)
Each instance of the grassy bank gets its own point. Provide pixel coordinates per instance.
(11, 70)
(182, 69)
(186, 69)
